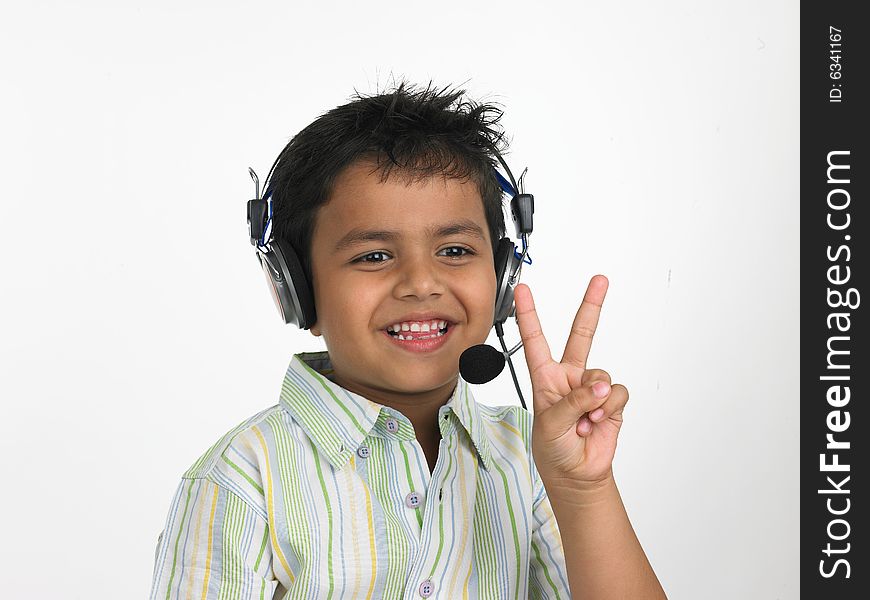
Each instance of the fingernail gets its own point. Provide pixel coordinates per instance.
(585, 426)
(596, 414)
(601, 389)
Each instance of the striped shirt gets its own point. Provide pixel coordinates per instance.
(329, 495)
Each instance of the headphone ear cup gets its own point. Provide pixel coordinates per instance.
(290, 289)
(506, 263)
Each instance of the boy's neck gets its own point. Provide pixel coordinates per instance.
(420, 408)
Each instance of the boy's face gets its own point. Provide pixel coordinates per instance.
(388, 254)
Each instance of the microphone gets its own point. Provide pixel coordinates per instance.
(481, 364)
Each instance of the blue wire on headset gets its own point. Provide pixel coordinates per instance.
(267, 197)
(527, 259)
(509, 189)
(505, 184)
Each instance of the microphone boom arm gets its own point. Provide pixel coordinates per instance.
(499, 331)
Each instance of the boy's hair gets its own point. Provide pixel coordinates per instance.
(421, 133)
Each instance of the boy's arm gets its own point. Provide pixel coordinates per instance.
(577, 418)
(213, 542)
(602, 553)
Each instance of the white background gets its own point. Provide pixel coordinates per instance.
(662, 143)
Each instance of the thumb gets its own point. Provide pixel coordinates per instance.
(565, 413)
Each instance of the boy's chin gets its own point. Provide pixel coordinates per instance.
(422, 381)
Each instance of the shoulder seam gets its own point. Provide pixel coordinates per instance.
(202, 468)
(207, 477)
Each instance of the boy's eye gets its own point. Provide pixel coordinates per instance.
(372, 257)
(456, 252)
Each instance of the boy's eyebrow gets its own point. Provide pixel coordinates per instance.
(360, 236)
(465, 226)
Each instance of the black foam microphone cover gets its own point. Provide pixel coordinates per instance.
(481, 363)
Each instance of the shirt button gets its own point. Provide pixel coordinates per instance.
(392, 425)
(413, 500)
(363, 451)
(426, 588)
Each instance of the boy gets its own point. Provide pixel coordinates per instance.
(377, 475)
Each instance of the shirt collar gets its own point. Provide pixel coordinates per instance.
(463, 405)
(337, 420)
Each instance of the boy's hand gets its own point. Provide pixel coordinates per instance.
(577, 412)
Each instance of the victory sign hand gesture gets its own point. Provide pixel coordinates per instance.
(578, 412)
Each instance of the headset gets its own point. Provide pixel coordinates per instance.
(292, 292)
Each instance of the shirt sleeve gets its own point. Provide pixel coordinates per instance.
(548, 576)
(214, 545)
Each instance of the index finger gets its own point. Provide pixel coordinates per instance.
(583, 329)
(535, 346)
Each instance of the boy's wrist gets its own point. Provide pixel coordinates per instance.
(580, 493)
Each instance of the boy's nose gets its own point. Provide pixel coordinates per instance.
(419, 278)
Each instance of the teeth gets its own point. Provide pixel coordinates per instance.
(417, 327)
(410, 337)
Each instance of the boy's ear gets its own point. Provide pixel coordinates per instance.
(315, 330)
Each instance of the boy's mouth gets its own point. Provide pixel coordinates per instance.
(418, 330)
